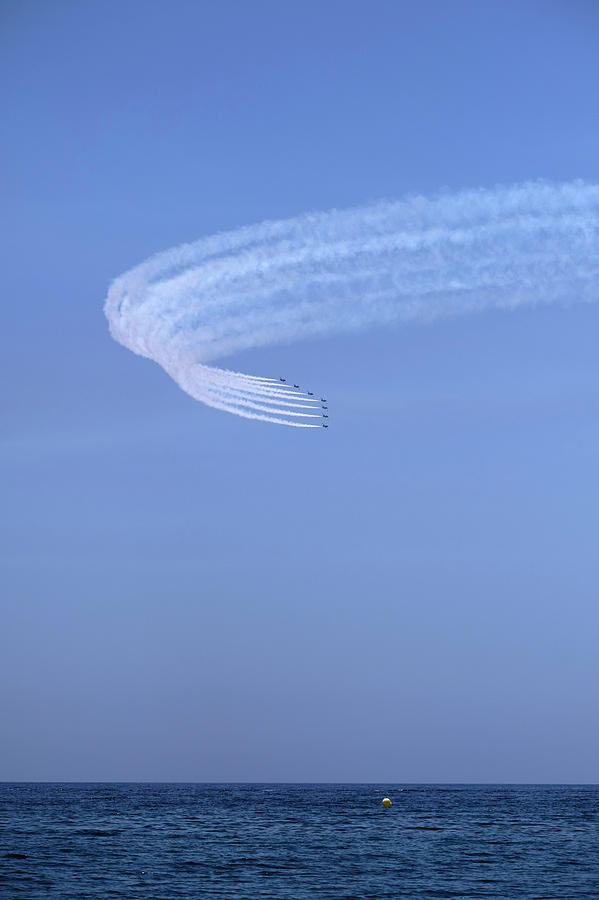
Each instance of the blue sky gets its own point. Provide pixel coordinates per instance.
(190, 596)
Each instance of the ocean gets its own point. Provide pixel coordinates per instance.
(298, 841)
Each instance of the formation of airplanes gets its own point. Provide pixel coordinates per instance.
(323, 401)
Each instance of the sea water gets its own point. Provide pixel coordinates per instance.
(298, 841)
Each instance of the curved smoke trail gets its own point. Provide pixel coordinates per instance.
(416, 259)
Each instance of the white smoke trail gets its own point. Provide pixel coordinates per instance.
(415, 259)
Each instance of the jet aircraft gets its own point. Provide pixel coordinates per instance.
(324, 426)
(282, 379)
(296, 385)
(324, 416)
(323, 399)
(310, 394)
(325, 407)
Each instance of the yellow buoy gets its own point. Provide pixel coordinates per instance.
(387, 802)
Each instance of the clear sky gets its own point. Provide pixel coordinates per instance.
(187, 595)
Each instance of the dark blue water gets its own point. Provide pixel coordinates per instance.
(298, 841)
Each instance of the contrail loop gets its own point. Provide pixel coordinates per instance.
(412, 260)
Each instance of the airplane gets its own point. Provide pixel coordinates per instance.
(323, 399)
(324, 426)
(296, 385)
(310, 394)
(324, 416)
(282, 379)
(325, 407)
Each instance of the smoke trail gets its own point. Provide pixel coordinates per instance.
(415, 259)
